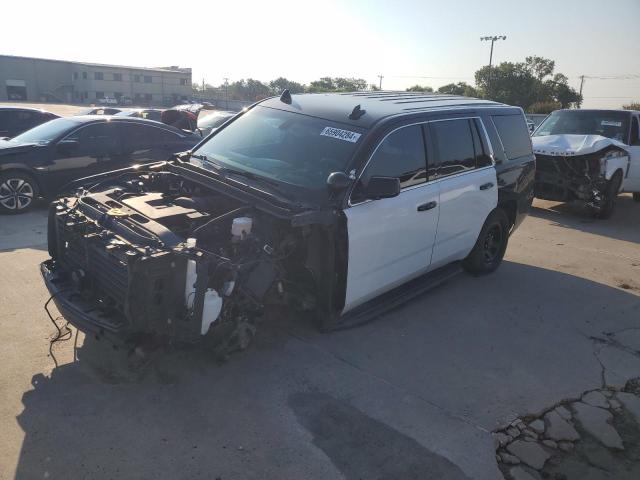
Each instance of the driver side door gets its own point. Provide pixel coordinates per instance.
(91, 149)
(391, 239)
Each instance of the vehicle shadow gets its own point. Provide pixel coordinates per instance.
(26, 230)
(475, 349)
(624, 224)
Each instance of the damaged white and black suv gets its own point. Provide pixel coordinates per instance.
(589, 156)
(343, 205)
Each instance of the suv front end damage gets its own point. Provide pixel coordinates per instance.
(154, 254)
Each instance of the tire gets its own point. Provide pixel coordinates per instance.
(613, 188)
(489, 249)
(18, 192)
(636, 196)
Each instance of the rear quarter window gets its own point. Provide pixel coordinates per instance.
(514, 135)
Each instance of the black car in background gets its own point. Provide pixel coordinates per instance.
(42, 160)
(15, 120)
(148, 113)
(101, 111)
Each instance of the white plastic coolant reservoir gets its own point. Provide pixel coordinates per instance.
(241, 226)
(190, 278)
(211, 309)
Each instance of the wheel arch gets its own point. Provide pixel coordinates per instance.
(7, 169)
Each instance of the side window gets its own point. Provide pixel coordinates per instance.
(98, 138)
(164, 137)
(514, 134)
(454, 147)
(400, 155)
(635, 132)
(483, 159)
(138, 137)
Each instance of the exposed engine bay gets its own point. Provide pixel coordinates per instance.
(578, 167)
(152, 253)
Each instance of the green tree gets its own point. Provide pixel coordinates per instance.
(337, 84)
(420, 88)
(527, 83)
(281, 83)
(248, 90)
(543, 107)
(632, 106)
(460, 88)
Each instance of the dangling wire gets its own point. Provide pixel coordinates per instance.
(61, 336)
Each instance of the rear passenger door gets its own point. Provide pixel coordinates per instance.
(462, 166)
(147, 143)
(391, 239)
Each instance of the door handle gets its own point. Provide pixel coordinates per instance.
(427, 206)
(486, 186)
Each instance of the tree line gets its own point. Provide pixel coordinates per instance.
(533, 85)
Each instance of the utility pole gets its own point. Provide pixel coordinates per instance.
(581, 84)
(203, 88)
(493, 40)
(380, 77)
(226, 92)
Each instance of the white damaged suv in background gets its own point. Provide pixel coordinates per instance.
(589, 156)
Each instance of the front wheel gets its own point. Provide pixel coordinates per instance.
(611, 194)
(489, 249)
(18, 191)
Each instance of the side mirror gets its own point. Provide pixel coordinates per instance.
(67, 146)
(382, 187)
(338, 181)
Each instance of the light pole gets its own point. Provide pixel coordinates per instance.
(226, 93)
(380, 77)
(493, 40)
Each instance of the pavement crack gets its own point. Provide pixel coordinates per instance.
(354, 365)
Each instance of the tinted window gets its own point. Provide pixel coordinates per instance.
(514, 135)
(97, 138)
(635, 132)
(480, 145)
(400, 155)
(138, 137)
(453, 145)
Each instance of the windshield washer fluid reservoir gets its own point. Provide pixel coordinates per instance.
(241, 226)
(211, 309)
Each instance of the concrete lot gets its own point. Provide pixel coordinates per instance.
(412, 395)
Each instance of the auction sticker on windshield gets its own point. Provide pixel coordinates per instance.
(340, 134)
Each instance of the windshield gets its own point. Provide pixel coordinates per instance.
(284, 146)
(214, 120)
(610, 124)
(46, 132)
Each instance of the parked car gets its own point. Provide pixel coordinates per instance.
(211, 122)
(107, 101)
(15, 120)
(588, 156)
(342, 205)
(42, 160)
(148, 113)
(100, 111)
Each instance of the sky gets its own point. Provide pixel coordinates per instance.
(407, 41)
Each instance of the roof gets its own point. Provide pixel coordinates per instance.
(179, 70)
(18, 107)
(119, 118)
(379, 104)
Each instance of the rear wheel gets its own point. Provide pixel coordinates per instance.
(613, 187)
(489, 249)
(18, 191)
